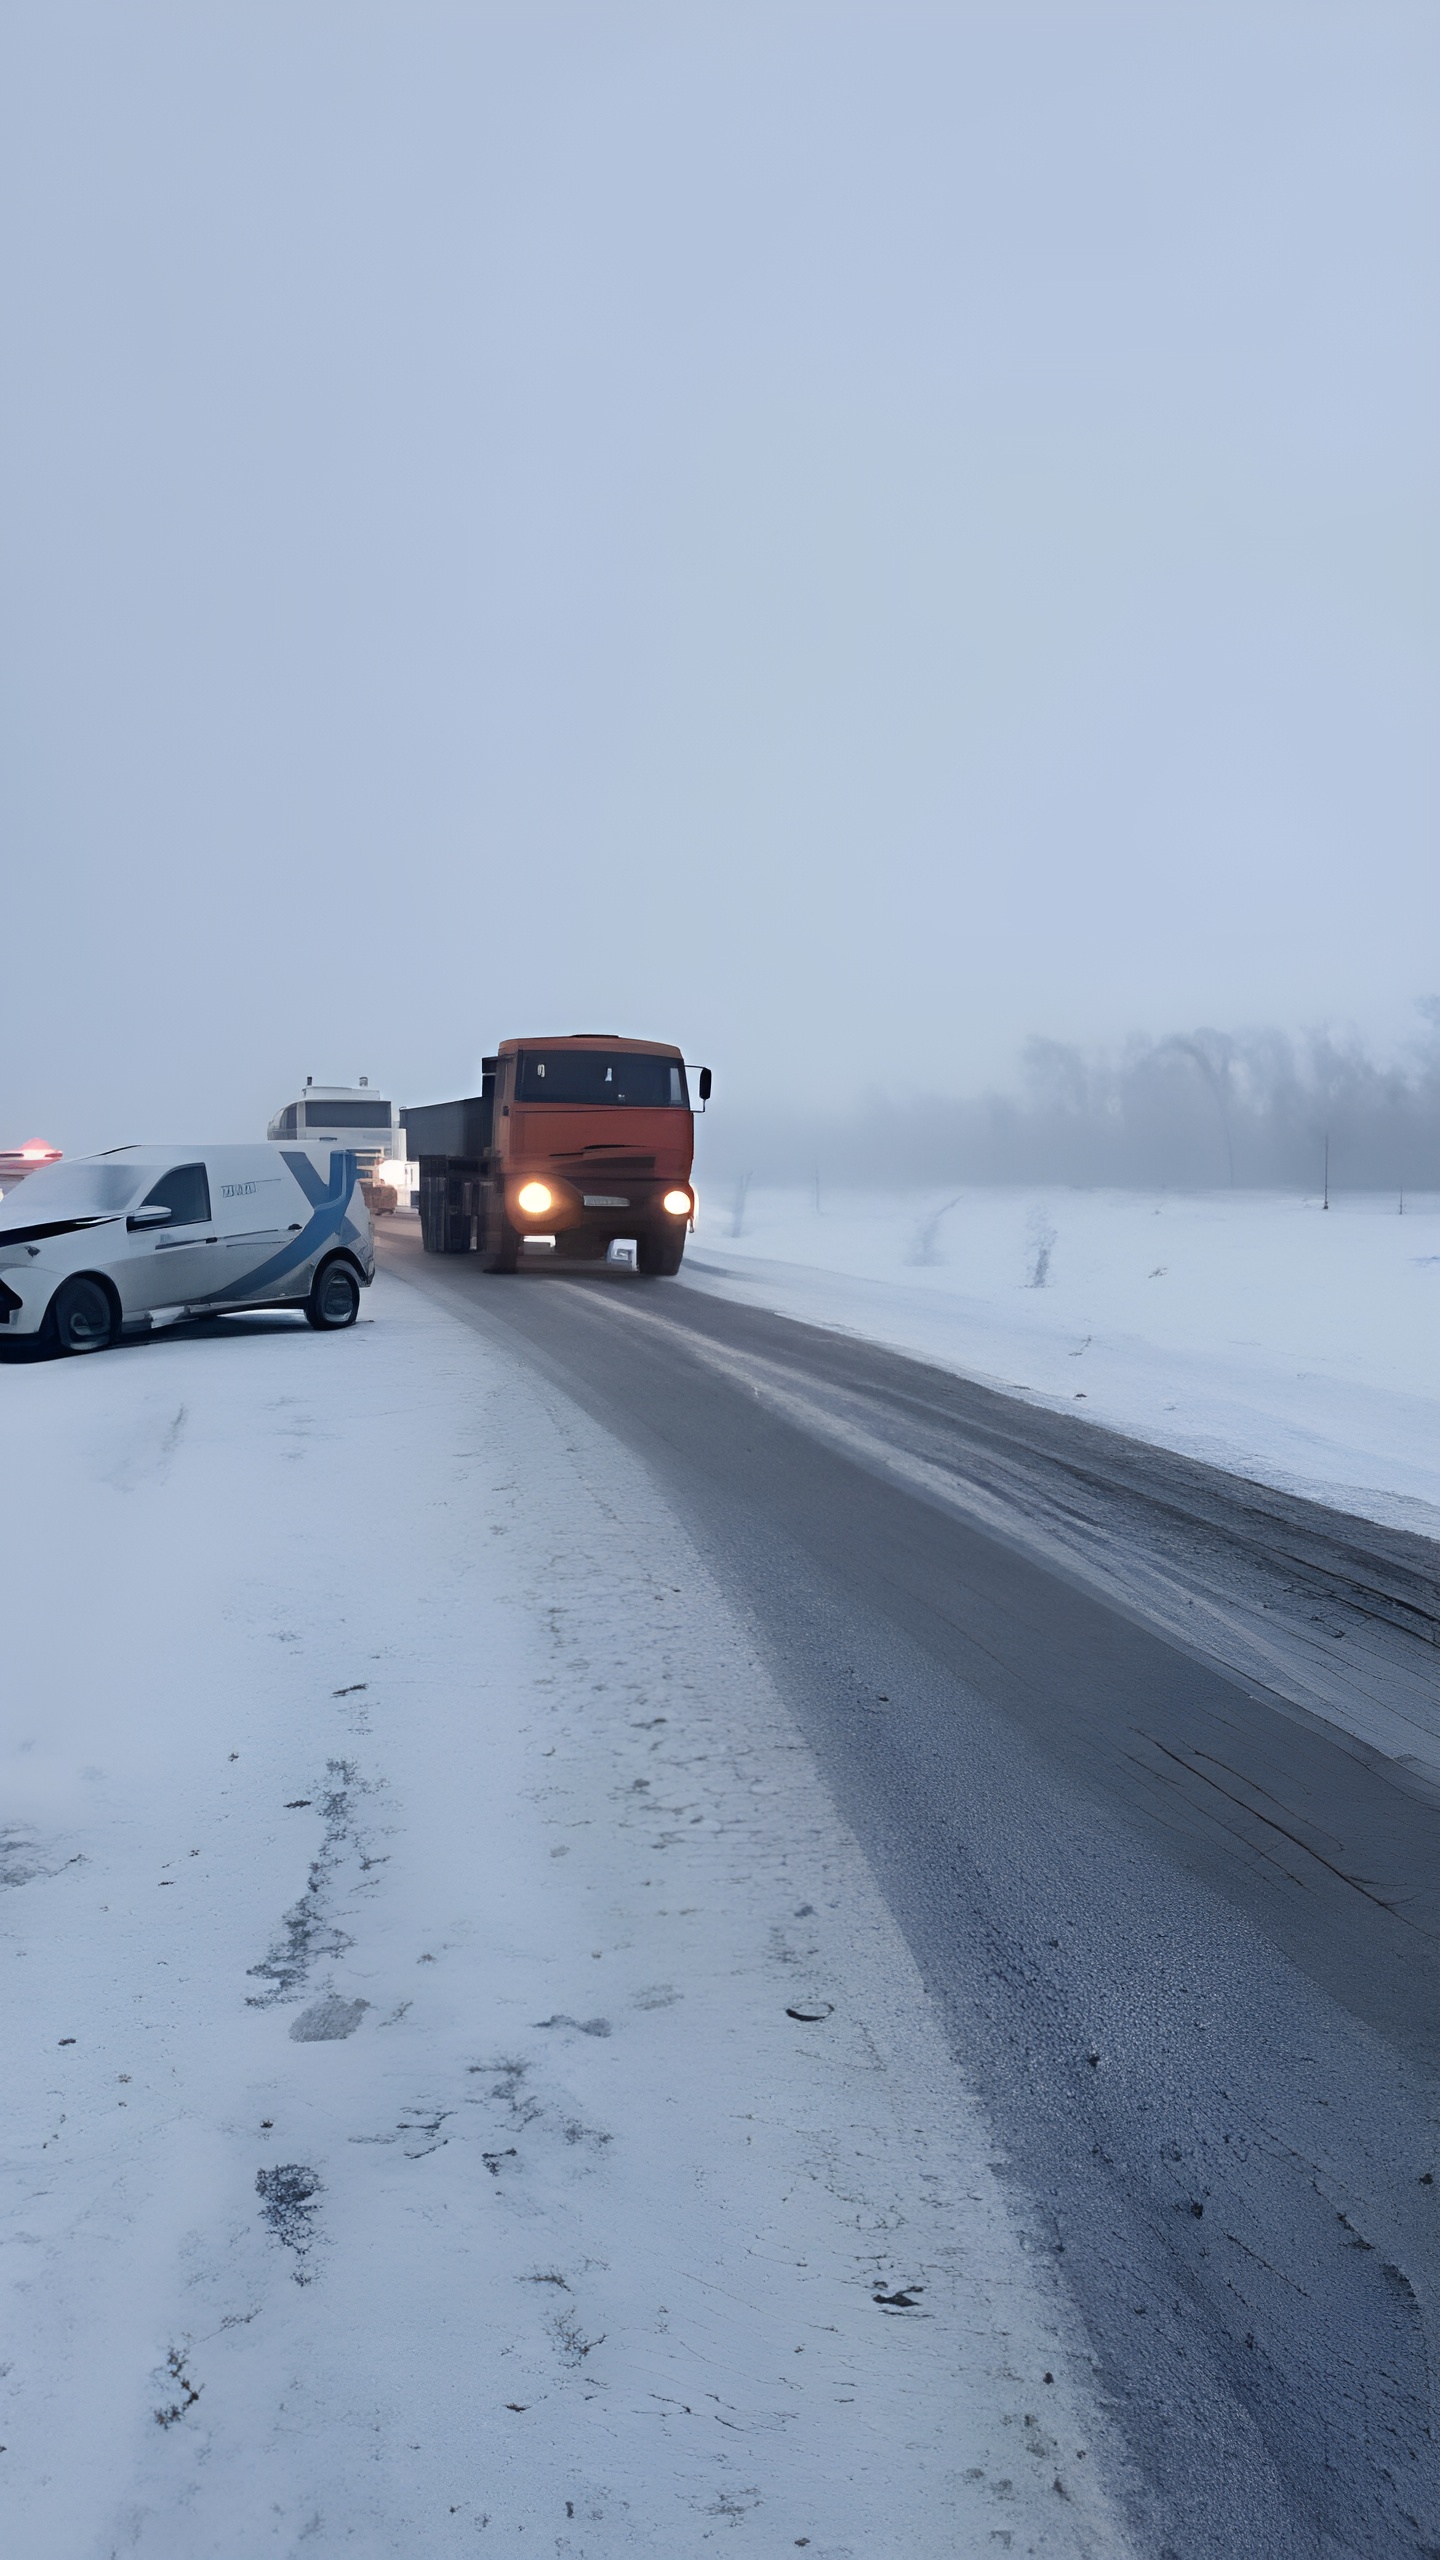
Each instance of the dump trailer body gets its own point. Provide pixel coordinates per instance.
(571, 1141)
(450, 1144)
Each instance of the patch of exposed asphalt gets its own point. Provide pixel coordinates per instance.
(328, 2019)
(23, 1856)
(569, 2339)
(187, 2391)
(289, 2196)
(309, 1931)
(418, 2129)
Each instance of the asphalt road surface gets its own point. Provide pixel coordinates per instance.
(1174, 1883)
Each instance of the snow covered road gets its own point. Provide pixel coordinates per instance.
(1181, 1925)
(1249, 1330)
(521, 2127)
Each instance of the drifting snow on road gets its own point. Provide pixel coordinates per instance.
(1259, 1334)
(466, 2092)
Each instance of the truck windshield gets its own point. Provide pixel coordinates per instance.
(345, 1115)
(601, 1075)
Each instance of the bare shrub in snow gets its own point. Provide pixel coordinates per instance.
(1041, 1240)
(924, 1253)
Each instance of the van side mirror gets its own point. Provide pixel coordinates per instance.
(155, 1214)
(704, 1085)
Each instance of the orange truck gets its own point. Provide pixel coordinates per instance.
(569, 1143)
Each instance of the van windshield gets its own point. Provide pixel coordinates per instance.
(72, 1190)
(601, 1075)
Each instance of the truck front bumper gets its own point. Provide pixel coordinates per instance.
(619, 1207)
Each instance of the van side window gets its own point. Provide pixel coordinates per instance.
(185, 1192)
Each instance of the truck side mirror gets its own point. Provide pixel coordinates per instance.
(704, 1084)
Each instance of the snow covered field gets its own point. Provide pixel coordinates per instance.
(522, 2127)
(1261, 1333)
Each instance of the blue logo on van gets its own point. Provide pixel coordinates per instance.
(328, 1204)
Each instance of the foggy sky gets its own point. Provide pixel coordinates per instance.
(846, 536)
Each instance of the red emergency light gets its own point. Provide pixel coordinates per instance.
(16, 1162)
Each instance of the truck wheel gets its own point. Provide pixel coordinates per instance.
(502, 1241)
(658, 1255)
(334, 1299)
(81, 1317)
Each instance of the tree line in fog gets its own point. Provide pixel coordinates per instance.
(1196, 1110)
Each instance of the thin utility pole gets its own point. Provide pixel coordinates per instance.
(1325, 1203)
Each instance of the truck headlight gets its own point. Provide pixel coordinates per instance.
(678, 1203)
(534, 1199)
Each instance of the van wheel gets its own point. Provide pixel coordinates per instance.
(82, 1317)
(334, 1299)
(658, 1255)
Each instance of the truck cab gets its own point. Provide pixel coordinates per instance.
(342, 1115)
(573, 1140)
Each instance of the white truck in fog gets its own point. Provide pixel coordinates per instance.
(343, 1115)
(102, 1245)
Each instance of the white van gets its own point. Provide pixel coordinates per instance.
(102, 1245)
